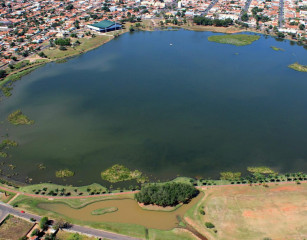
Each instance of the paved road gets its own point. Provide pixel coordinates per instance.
(281, 13)
(7, 209)
(210, 6)
(246, 6)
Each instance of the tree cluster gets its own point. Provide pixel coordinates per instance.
(62, 41)
(169, 194)
(212, 22)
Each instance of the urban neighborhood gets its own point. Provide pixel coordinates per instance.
(28, 27)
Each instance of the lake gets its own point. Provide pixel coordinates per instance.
(193, 108)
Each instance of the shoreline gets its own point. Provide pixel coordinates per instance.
(196, 28)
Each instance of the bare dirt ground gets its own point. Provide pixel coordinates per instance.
(244, 212)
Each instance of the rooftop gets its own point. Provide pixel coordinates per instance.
(103, 24)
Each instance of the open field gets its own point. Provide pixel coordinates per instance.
(252, 212)
(86, 44)
(14, 228)
(238, 40)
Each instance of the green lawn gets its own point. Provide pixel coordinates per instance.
(74, 191)
(86, 44)
(236, 39)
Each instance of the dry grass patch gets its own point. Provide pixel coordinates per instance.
(14, 228)
(244, 212)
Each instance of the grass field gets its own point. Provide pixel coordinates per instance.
(86, 44)
(6, 197)
(14, 228)
(62, 235)
(257, 212)
(238, 39)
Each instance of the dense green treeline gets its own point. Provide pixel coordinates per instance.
(169, 194)
(212, 22)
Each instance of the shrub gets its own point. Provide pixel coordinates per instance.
(43, 222)
(209, 225)
(35, 232)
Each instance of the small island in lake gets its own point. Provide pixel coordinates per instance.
(18, 118)
(277, 49)
(102, 211)
(298, 67)
(238, 39)
(64, 173)
(119, 173)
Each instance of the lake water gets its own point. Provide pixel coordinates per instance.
(195, 108)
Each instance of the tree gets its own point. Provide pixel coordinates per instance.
(42, 54)
(69, 7)
(244, 17)
(35, 232)
(62, 41)
(2, 73)
(169, 194)
(302, 27)
(209, 225)
(43, 222)
(59, 224)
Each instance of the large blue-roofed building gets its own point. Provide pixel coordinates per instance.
(105, 26)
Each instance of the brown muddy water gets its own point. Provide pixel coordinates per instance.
(128, 212)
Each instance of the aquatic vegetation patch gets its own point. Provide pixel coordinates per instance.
(230, 176)
(64, 173)
(6, 91)
(18, 118)
(102, 211)
(6, 144)
(277, 49)
(238, 39)
(119, 173)
(41, 166)
(262, 170)
(298, 67)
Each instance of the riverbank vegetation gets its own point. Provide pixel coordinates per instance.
(102, 211)
(119, 173)
(237, 39)
(169, 194)
(18, 118)
(64, 173)
(298, 67)
(61, 190)
(199, 20)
